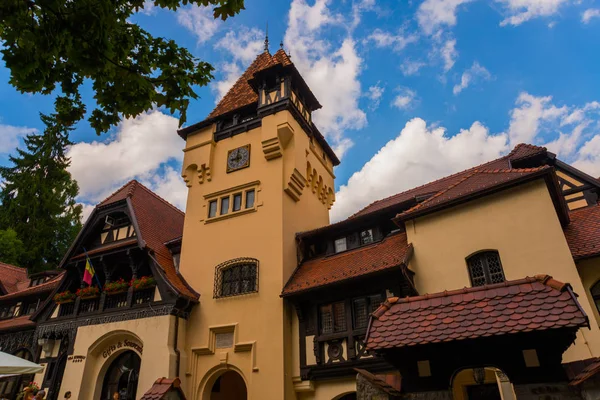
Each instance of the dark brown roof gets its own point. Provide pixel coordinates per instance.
(476, 182)
(13, 278)
(583, 233)
(158, 222)
(582, 370)
(524, 305)
(161, 387)
(390, 383)
(391, 252)
(520, 152)
(47, 286)
(16, 323)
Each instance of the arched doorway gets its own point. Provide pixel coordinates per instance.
(229, 386)
(349, 396)
(483, 383)
(122, 377)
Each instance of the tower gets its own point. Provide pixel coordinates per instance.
(258, 171)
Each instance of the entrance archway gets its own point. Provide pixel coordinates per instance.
(348, 396)
(229, 386)
(122, 377)
(484, 383)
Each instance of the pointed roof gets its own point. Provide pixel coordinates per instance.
(241, 93)
(159, 222)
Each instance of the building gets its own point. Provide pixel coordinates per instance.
(480, 285)
(20, 296)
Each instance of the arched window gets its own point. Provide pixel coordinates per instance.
(595, 290)
(235, 277)
(122, 377)
(485, 268)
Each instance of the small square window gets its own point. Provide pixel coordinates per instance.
(237, 202)
(340, 245)
(212, 208)
(224, 205)
(366, 237)
(250, 198)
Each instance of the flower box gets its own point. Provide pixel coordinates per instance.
(116, 287)
(143, 283)
(64, 297)
(89, 292)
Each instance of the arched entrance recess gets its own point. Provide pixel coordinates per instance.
(122, 377)
(483, 383)
(229, 386)
(347, 396)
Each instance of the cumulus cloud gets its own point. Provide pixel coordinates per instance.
(199, 21)
(589, 14)
(330, 68)
(530, 113)
(449, 54)
(434, 15)
(374, 93)
(142, 147)
(405, 98)
(410, 67)
(520, 11)
(588, 157)
(419, 154)
(474, 73)
(397, 41)
(11, 135)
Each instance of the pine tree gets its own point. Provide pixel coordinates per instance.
(38, 197)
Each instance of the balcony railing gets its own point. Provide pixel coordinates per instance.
(106, 302)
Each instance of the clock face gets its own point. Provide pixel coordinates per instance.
(238, 158)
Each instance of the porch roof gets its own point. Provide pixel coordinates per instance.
(524, 305)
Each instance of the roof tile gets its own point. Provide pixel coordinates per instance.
(583, 233)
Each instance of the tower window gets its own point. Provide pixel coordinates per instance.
(250, 198)
(237, 202)
(236, 277)
(340, 245)
(485, 268)
(212, 208)
(224, 205)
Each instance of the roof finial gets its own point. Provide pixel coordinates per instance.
(281, 44)
(267, 38)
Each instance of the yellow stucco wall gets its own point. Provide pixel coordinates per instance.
(264, 348)
(84, 379)
(520, 223)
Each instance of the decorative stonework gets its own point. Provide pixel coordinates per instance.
(271, 148)
(199, 171)
(295, 185)
(314, 181)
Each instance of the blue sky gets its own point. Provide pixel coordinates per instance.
(411, 91)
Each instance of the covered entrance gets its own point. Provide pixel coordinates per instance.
(229, 386)
(122, 377)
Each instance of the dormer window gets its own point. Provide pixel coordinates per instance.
(116, 227)
(7, 312)
(340, 245)
(366, 236)
(485, 268)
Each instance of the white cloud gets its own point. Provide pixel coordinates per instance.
(405, 98)
(523, 10)
(330, 68)
(200, 21)
(449, 54)
(374, 94)
(588, 157)
(472, 74)
(169, 185)
(242, 47)
(433, 15)
(397, 42)
(10, 137)
(590, 13)
(149, 9)
(140, 147)
(531, 112)
(410, 67)
(419, 154)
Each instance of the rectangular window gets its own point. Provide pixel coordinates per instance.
(237, 202)
(212, 208)
(31, 308)
(340, 245)
(250, 198)
(224, 205)
(333, 317)
(366, 237)
(362, 309)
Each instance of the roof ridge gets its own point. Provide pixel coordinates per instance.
(160, 198)
(527, 145)
(132, 182)
(3, 264)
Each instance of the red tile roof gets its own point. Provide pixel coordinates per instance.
(583, 233)
(159, 222)
(13, 278)
(391, 252)
(520, 152)
(21, 322)
(580, 371)
(477, 182)
(524, 305)
(161, 387)
(241, 93)
(47, 286)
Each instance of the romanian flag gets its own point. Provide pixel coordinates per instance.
(89, 272)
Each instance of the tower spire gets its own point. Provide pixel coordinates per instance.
(267, 38)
